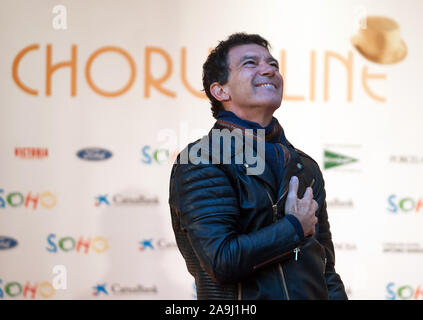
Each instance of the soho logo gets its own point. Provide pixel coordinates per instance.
(216, 148)
(15, 289)
(66, 244)
(16, 199)
(157, 155)
(161, 244)
(405, 205)
(403, 292)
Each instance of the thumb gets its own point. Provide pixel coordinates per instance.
(293, 187)
(291, 199)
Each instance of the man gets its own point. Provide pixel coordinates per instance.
(251, 236)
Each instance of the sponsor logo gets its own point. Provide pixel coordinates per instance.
(82, 245)
(120, 289)
(33, 201)
(405, 205)
(14, 289)
(94, 154)
(150, 155)
(31, 153)
(100, 288)
(406, 159)
(7, 243)
(404, 292)
(345, 246)
(340, 204)
(102, 200)
(333, 159)
(391, 247)
(160, 244)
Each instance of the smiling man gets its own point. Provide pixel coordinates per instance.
(246, 236)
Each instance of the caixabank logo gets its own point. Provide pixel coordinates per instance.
(152, 244)
(82, 244)
(121, 199)
(29, 200)
(29, 290)
(119, 289)
(400, 204)
(400, 291)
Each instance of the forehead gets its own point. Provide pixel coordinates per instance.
(247, 50)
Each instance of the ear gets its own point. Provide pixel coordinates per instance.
(219, 92)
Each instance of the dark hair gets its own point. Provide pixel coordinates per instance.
(216, 67)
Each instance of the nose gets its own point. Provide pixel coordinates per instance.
(266, 69)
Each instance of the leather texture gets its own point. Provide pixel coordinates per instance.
(236, 241)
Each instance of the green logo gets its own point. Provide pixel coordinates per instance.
(333, 159)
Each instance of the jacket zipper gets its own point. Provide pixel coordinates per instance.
(274, 216)
(283, 281)
(239, 291)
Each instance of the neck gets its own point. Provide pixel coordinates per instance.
(256, 115)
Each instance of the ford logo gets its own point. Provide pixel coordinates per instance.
(94, 154)
(7, 243)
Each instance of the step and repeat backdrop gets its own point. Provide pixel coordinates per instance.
(98, 97)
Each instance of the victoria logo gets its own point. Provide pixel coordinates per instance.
(7, 243)
(31, 153)
(94, 154)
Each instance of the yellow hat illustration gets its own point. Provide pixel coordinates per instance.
(380, 41)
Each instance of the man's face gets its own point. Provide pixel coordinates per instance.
(254, 78)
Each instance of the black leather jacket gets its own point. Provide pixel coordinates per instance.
(232, 232)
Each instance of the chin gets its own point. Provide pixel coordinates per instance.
(270, 104)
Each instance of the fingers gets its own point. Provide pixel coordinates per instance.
(308, 193)
(315, 205)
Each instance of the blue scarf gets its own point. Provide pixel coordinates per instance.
(275, 141)
(277, 152)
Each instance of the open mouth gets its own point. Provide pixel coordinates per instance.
(267, 85)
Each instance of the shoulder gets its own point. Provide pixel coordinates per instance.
(310, 164)
(196, 162)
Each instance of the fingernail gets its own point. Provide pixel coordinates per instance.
(294, 178)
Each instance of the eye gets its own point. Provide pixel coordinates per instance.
(274, 64)
(249, 62)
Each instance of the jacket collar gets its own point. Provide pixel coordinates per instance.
(274, 133)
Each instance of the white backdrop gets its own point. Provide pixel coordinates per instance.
(128, 95)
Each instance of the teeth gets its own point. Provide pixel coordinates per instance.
(267, 85)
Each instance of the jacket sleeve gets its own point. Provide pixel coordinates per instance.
(334, 283)
(209, 213)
